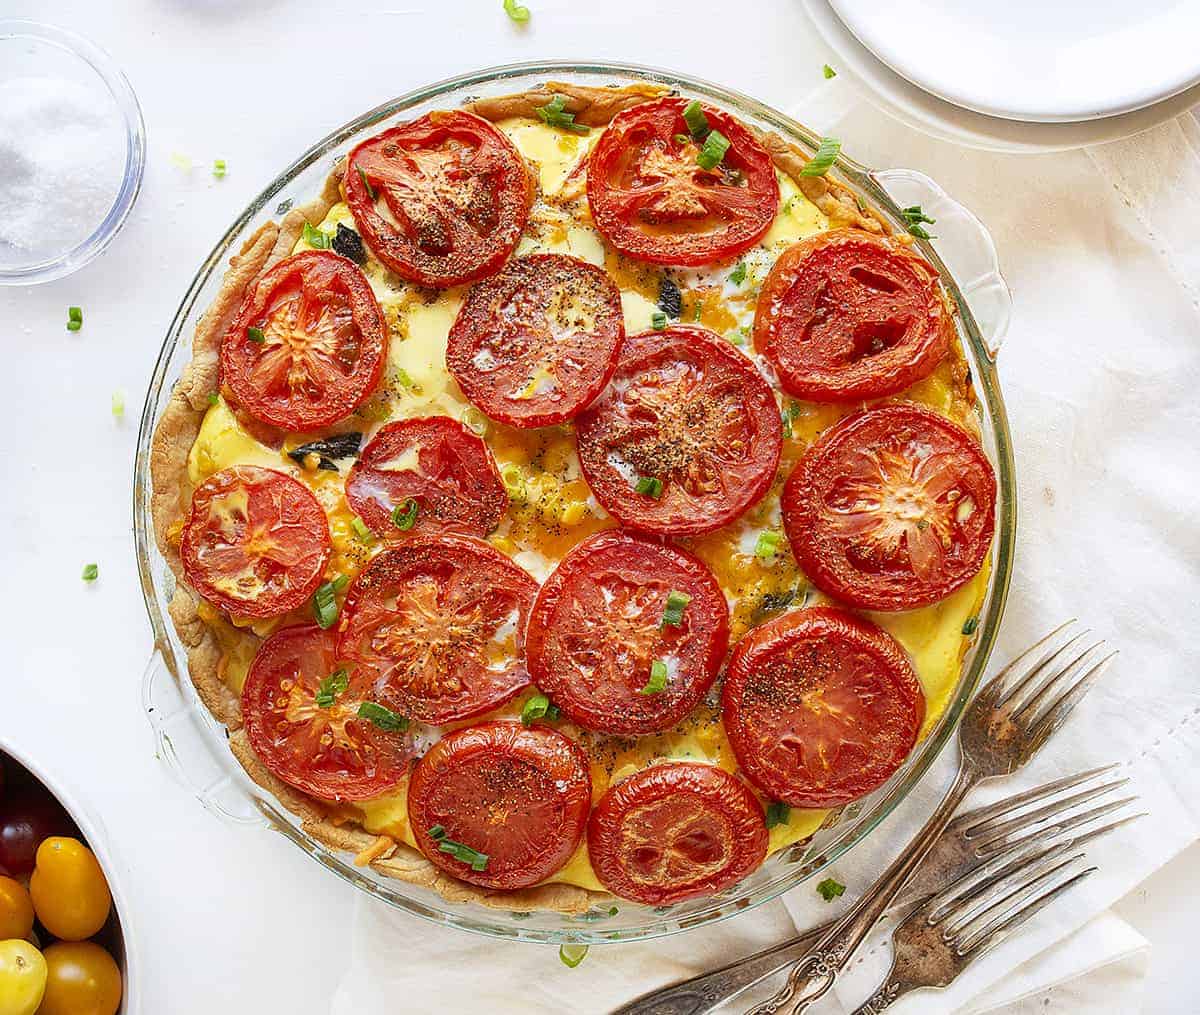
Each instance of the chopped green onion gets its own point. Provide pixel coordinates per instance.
(826, 155)
(830, 889)
(90, 572)
(74, 318)
(789, 416)
(340, 582)
(571, 955)
(437, 832)
(539, 707)
(256, 335)
(658, 320)
(361, 530)
(362, 175)
(384, 718)
(735, 339)
(219, 169)
(403, 378)
(969, 627)
(683, 138)
(913, 217)
(118, 403)
(649, 486)
(331, 687)
(315, 238)
(474, 420)
(699, 309)
(516, 12)
(767, 545)
(325, 607)
(829, 72)
(695, 119)
(658, 678)
(514, 483)
(738, 275)
(715, 147)
(777, 814)
(213, 398)
(404, 516)
(673, 611)
(554, 113)
(466, 854)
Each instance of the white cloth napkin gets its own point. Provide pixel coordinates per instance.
(1101, 375)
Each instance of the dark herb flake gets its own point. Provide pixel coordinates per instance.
(328, 450)
(349, 244)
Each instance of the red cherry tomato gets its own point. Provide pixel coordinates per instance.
(674, 831)
(441, 200)
(435, 463)
(820, 707)
(440, 621)
(845, 316)
(28, 816)
(597, 628)
(256, 542)
(689, 411)
(516, 798)
(321, 747)
(308, 344)
(652, 199)
(533, 345)
(891, 508)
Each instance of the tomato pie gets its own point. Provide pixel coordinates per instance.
(582, 496)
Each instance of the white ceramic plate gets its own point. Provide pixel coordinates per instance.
(927, 112)
(1052, 62)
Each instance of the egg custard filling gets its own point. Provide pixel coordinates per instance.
(792, 528)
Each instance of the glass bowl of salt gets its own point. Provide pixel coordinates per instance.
(72, 151)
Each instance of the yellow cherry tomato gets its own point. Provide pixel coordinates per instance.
(16, 910)
(22, 978)
(81, 979)
(68, 889)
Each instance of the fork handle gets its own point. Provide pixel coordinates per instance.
(814, 974)
(891, 989)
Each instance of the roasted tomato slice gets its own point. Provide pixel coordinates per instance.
(436, 464)
(533, 345)
(674, 831)
(820, 707)
(308, 344)
(441, 200)
(689, 418)
(892, 508)
(320, 746)
(618, 617)
(441, 622)
(256, 542)
(845, 316)
(500, 805)
(653, 200)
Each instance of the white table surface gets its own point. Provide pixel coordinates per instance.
(229, 919)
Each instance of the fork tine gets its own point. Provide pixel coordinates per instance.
(999, 679)
(1064, 824)
(983, 814)
(989, 831)
(1055, 714)
(1034, 699)
(971, 886)
(998, 894)
(991, 935)
(1043, 669)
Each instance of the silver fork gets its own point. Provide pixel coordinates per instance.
(945, 934)
(1003, 727)
(996, 833)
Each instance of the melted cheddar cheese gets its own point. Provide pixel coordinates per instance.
(551, 507)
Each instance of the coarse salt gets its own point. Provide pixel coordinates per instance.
(62, 160)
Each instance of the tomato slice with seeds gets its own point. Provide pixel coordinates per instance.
(517, 797)
(324, 750)
(435, 462)
(308, 344)
(820, 707)
(688, 410)
(652, 199)
(533, 345)
(845, 316)
(892, 508)
(676, 830)
(441, 622)
(255, 543)
(441, 200)
(597, 627)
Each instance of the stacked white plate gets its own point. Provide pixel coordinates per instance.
(1023, 75)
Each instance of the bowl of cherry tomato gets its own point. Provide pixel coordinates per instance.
(63, 950)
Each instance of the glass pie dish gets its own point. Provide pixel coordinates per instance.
(193, 744)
